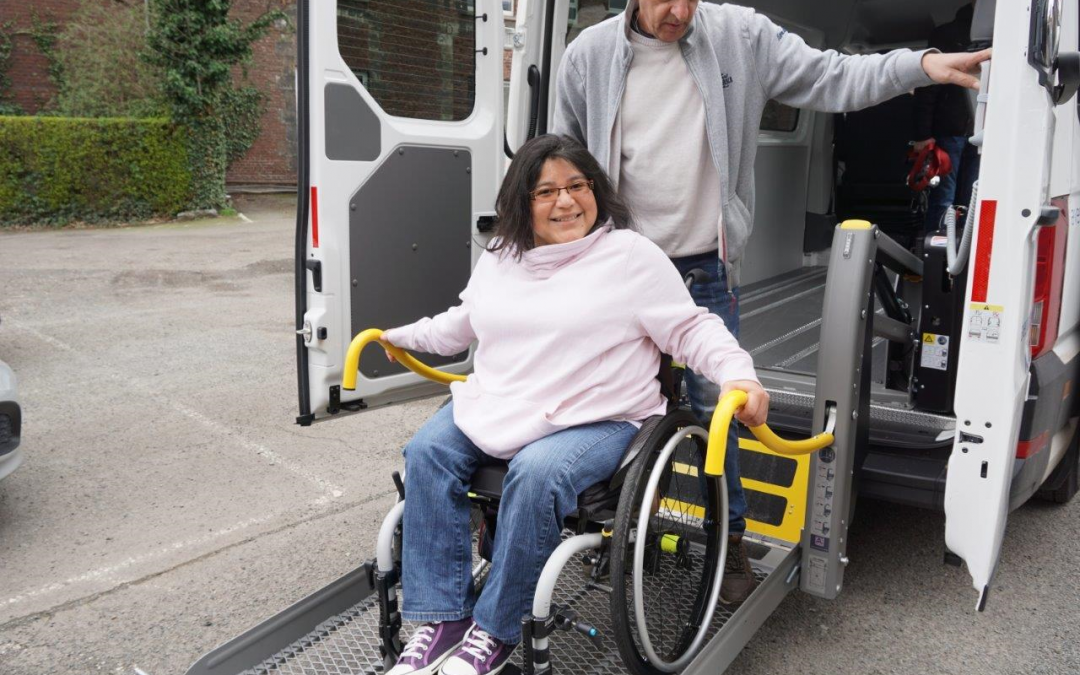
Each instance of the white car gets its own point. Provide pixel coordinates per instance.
(10, 422)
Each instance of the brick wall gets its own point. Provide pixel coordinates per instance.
(271, 160)
(405, 61)
(415, 58)
(29, 73)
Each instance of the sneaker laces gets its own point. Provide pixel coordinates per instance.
(479, 643)
(418, 643)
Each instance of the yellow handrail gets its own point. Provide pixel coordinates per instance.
(718, 431)
(718, 428)
(352, 361)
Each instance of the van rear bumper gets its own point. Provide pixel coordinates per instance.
(906, 476)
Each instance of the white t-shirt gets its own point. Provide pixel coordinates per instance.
(666, 170)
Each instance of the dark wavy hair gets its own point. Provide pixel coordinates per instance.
(514, 231)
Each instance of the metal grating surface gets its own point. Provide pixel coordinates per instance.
(663, 600)
(348, 644)
(889, 425)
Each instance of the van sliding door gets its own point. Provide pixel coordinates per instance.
(400, 117)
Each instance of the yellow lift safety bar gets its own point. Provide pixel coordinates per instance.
(352, 361)
(767, 440)
(718, 429)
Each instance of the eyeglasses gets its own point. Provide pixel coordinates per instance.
(550, 194)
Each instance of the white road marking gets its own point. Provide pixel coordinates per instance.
(108, 571)
(329, 490)
(243, 217)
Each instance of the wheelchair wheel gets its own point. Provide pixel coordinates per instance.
(667, 550)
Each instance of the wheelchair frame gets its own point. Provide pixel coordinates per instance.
(814, 562)
(658, 438)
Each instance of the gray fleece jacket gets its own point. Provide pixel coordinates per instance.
(739, 59)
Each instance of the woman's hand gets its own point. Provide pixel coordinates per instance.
(384, 343)
(756, 410)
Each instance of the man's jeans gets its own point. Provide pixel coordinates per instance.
(540, 490)
(715, 296)
(955, 188)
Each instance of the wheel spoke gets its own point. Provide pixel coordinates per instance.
(671, 506)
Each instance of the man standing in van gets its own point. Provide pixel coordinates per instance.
(944, 116)
(668, 96)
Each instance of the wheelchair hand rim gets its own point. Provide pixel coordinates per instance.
(639, 561)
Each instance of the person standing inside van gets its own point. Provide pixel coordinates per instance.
(668, 96)
(944, 117)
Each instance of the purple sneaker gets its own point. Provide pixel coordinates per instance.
(429, 646)
(479, 654)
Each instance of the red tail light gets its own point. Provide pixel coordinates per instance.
(1049, 273)
(314, 217)
(1025, 449)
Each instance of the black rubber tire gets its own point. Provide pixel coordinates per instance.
(622, 609)
(1062, 485)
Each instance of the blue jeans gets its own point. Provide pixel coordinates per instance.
(539, 492)
(954, 188)
(715, 296)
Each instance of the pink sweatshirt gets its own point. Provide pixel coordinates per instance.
(571, 334)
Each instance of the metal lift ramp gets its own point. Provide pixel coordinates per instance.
(800, 512)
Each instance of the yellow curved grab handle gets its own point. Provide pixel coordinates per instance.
(718, 431)
(352, 361)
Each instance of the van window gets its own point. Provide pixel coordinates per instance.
(417, 58)
(779, 117)
(585, 13)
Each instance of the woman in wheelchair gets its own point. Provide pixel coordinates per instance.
(570, 310)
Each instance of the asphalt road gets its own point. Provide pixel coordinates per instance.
(168, 502)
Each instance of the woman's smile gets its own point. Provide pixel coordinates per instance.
(566, 219)
(564, 216)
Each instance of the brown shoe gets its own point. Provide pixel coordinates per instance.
(739, 580)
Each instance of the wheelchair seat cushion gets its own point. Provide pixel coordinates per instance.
(487, 481)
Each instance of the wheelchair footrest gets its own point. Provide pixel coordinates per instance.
(567, 619)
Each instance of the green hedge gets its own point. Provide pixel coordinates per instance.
(54, 169)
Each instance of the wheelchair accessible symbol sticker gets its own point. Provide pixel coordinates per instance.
(984, 322)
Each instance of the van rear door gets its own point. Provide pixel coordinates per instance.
(400, 118)
(1014, 202)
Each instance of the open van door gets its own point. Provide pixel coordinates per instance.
(400, 156)
(1015, 192)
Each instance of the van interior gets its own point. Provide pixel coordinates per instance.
(813, 171)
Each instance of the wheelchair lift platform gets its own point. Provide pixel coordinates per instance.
(335, 631)
(799, 507)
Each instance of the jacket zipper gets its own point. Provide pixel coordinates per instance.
(716, 164)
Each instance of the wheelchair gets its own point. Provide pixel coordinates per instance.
(653, 537)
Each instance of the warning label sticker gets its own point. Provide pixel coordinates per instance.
(935, 351)
(985, 322)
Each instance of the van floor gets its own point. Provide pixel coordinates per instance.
(780, 322)
(780, 325)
